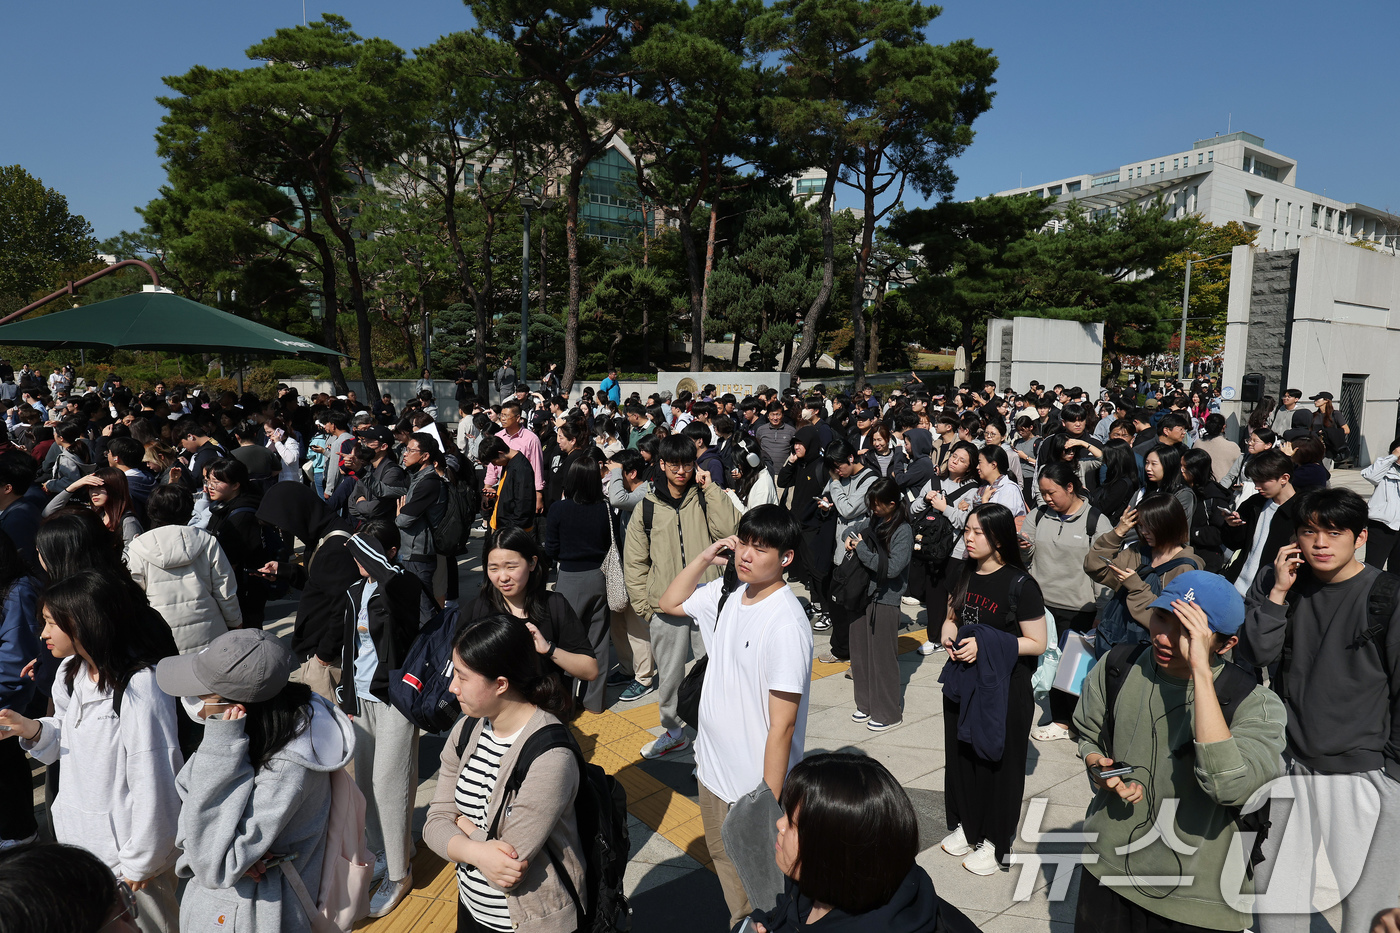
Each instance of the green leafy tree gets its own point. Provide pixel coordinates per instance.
(765, 281)
(622, 304)
(312, 120)
(970, 264)
(1210, 281)
(456, 325)
(690, 117)
(1101, 269)
(41, 241)
(865, 99)
(910, 109)
(476, 144)
(570, 52)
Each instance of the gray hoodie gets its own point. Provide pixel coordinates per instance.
(116, 790)
(233, 817)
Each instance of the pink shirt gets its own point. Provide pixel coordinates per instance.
(526, 442)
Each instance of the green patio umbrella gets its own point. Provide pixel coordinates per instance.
(152, 320)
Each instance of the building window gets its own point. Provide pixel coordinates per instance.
(1210, 155)
(1055, 191)
(1152, 168)
(1176, 164)
(810, 185)
(1098, 182)
(1317, 210)
(1162, 166)
(1139, 172)
(1072, 186)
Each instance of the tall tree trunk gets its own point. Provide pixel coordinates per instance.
(697, 322)
(566, 380)
(357, 288)
(734, 363)
(862, 257)
(695, 278)
(646, 337)
(823, 296)
(875, 336)
(329, 301)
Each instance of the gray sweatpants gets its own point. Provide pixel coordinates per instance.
(157, 906)
(386, 770)
(586, 592)
(673, 640)
(1335, 813)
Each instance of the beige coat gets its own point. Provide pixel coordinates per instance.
(541, 814)
(651, 562)
(1140, 595)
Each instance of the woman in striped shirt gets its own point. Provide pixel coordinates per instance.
(510, 848)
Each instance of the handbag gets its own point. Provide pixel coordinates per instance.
(613, 577)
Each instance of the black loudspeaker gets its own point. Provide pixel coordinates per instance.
(1252, 387)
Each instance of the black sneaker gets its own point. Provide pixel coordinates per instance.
(620, 679)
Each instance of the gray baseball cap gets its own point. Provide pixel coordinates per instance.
(244, 665)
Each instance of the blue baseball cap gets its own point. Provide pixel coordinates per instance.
(1223, 605)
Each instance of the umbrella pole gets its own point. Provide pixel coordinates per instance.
(240, 378)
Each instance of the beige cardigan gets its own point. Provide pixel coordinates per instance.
(1139, 595)
(542, 813)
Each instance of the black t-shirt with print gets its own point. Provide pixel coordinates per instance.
(988, 597)
(562, 627)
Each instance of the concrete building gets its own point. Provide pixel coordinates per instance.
(1324, 316)
(1045, 349)
(1222, 179)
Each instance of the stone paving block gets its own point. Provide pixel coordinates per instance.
(642, 877)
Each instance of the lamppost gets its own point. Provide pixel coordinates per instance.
(1185, 303)
(527, 202)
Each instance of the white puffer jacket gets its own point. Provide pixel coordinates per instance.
(188, 580)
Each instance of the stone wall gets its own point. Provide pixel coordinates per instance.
(1272, 296)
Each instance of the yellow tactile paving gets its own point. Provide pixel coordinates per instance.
(613, 741)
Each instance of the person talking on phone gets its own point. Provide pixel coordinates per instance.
(847, 840)
(1164, 831)
(257, 794)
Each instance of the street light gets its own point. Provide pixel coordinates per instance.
(527, 202)
(1185, 302)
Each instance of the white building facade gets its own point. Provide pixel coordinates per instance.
(1223, 179)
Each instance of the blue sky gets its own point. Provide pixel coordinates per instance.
(1082, 86)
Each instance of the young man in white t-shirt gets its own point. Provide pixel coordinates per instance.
(753, 711)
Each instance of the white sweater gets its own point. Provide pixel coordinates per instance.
(1384, 505)
(189, 581)
(116, 789)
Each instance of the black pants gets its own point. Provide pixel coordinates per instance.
(1062, 704)
(1382, 546)
(938, 596)
(1103, 910)
(16, 787)
(841, 619)
(985, 796)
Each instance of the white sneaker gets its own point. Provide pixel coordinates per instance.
(909, 601)
(930, 647)
(955, 843)
(983, 861)
(381, 867)
(664, 745)
(389, 895)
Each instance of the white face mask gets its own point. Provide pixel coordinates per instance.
(193, 707)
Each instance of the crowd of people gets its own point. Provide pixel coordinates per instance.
(194, 758)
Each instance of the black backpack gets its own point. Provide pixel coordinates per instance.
(600, 807)
(1233, 686)
(934, 535)
(1380, 604)
(850, 582)
(451, 531)
(419, 689)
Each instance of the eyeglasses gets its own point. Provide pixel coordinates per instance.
(679, 467)
(130, 910)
